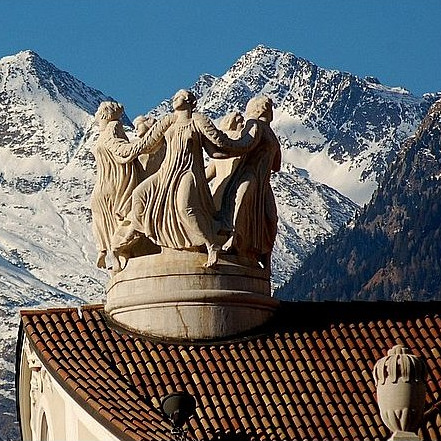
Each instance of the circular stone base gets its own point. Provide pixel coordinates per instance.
(173, 295)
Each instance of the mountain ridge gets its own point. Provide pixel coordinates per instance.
(331, 124)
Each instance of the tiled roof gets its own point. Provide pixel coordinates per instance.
(307, 375)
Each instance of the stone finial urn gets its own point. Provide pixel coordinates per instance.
(400, 380)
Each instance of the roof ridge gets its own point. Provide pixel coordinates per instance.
(53, 309)
(25, 312)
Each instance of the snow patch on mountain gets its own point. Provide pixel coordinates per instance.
(343, 177)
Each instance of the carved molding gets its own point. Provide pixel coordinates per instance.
(399, 365)
(40, 386)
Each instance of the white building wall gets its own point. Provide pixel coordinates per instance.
(47, 411)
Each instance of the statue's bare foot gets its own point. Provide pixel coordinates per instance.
(116, 263)
(101, 259)
(213, 255)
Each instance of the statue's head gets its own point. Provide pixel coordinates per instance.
(109, 111)
(231, 122)
(142, 124)
(183, 99)
(260, 107)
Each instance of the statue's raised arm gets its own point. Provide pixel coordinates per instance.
(219, 145)
(153, 139)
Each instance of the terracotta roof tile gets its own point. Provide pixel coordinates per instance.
(302, 378)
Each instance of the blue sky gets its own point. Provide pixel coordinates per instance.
(141, 51)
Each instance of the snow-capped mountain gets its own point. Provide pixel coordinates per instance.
(46, 174)
(342, 129)
(337, 132)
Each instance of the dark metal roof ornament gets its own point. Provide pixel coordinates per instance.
(178, 407)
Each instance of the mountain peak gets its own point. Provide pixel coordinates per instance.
(435, 110)
(261, 48)
(26, 75)
(25, 57)
(372, 80)
(28, 54)
(27, 64)
(262, 51)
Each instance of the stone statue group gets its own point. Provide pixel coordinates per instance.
(156, 190)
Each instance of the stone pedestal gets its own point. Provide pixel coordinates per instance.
(172, 295)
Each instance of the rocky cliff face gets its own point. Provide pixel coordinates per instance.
(392, 250)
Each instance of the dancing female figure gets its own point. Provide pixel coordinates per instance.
(248, 209)
(117, 176)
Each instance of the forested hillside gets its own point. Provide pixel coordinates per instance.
(392, 251)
